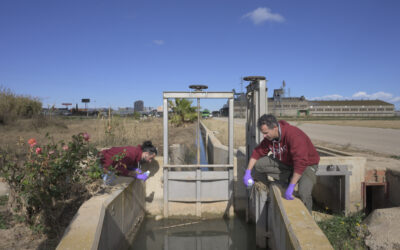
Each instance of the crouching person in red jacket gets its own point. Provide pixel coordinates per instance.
(126, 160)
(286, 154)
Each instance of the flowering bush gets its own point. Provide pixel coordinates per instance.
(42, 177)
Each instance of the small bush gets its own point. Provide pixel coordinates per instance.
(397, 157)
(345, 232)
(43, 177)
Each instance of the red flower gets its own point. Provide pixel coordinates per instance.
(32, 142)
(38, 150)
(65, 147)
(86, 136)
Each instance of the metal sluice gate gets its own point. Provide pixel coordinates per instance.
(191, 183)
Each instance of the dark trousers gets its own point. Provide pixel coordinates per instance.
(267, 166)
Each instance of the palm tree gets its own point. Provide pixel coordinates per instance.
(182, 111)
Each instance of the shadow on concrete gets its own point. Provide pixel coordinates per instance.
(153, 167)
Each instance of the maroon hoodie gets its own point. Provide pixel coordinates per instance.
(133, 155)
(293, 148)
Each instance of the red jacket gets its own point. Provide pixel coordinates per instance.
(131, 160)
(293, 149)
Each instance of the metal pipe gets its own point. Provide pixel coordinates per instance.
(198, 131)
(165, 120)
(230, 133)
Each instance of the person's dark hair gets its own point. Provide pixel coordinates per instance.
(147, 146)
(268, 120)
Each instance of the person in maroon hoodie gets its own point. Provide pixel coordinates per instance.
(126, 160)
(286, 154)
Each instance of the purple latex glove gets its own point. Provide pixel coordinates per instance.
(289, 192)
(142, 177)
(247, 177)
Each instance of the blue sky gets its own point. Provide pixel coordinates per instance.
(117, 52)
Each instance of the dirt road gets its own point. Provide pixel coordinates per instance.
(382, 141)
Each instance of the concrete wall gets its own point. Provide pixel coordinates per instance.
(154, 187)
(217, 153)
(107, 221)
(393, 180)
(326, 191)
(283, 224)
(291, 226)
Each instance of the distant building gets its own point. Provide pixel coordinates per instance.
(351, 108)
(216, 114)
(279, 105)
(138, 106)
(123, 111)
(240, 106)
(288, 106)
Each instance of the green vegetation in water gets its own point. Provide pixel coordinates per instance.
(345, 232)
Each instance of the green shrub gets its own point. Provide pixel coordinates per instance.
(182, 111)
(136, 115)
(43, 177)
(345, 232)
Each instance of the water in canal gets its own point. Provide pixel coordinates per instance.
(175, 234)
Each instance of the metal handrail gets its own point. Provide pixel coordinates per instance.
(200, 166)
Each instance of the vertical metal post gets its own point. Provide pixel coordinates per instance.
(198, 242)
(230, 133)
(166, 244)
(347, 194)
(230, 152)
(198, 130)
(256, 106)
(165, 120)
(262, 105)
(165, 172)
(166, 201)
(198, 192)
(230, 191)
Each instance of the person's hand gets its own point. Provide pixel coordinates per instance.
(247, 177)
(289, 192)
(142, 177)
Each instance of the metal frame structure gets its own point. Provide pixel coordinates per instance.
(195, 185)
(257, 105)
(338, 170)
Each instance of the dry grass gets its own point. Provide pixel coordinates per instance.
(221, 128)
(124, 131)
